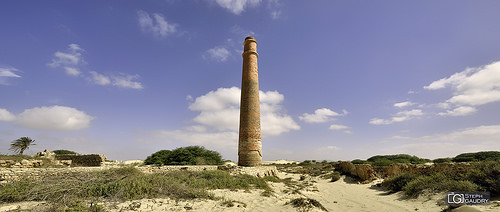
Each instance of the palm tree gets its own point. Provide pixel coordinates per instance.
(21, 144)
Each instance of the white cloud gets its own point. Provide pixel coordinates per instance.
(459, 111)
(5, 115)
(99, 78)
(219, 54)
(338, 127)
(220, 110)
(399, 117)
(274, 6)
(72, 57)
(473, 86)
(126, 81)
(207, 139)
(72, 71)
(58, 118)
(403, 104)
(321, 115)
(7, 72)
(237, 6)
(71, 60)
(480, 138)
(158, 27)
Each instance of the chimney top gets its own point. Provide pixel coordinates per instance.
(249, 38)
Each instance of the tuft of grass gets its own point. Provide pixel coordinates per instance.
(306, 204)
(333, 176)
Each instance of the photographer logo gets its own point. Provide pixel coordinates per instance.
(468, 198)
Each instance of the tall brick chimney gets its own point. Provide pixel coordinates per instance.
(250, 143)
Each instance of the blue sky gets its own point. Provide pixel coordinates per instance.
(339, 80)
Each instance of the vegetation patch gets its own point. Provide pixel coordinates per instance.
(191, 155)
(306, 204)
(85, 191)
(437, 183)
(397, 183)
(477, 156)
(64, 152)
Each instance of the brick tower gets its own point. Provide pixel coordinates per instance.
(250, 144)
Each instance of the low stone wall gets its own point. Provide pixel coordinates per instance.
(14, 174)
(258, 171)
(83, 160)
(21, 164)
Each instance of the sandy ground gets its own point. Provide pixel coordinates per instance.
(343, 195)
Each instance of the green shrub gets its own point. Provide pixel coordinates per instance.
(437, 183)
(397, 183)
(487, 175)
(359, 161)
(305, 163)
(335, 176)
(442, 160)
(64, 152)
(386, 160)
(191, 155)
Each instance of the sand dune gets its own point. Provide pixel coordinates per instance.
(344, 195)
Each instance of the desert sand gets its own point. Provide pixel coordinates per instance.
(342, 195)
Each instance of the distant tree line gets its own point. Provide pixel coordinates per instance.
(191, 155)
(472, 157)
(386, 160)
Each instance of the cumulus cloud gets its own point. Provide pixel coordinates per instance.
(321, 115)
(473, 86)
(398, 117)
(7, 72)
(473, 139)
(157, 25)
(72, 71)
(459, 111)
(207, 139)
(219, 54)
(5, 115)
(126, 81)
(217, 124)
(220, 110)
(338, 127)
(237, 6)
(59, 118)
(72, 57)
(71, 61)
(403, 104)
(99, 78)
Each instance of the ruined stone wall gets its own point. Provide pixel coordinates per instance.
(14, 174)
(367, 172)
(363, 171)
(83, 160)
(21, 164)
(424, 169)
